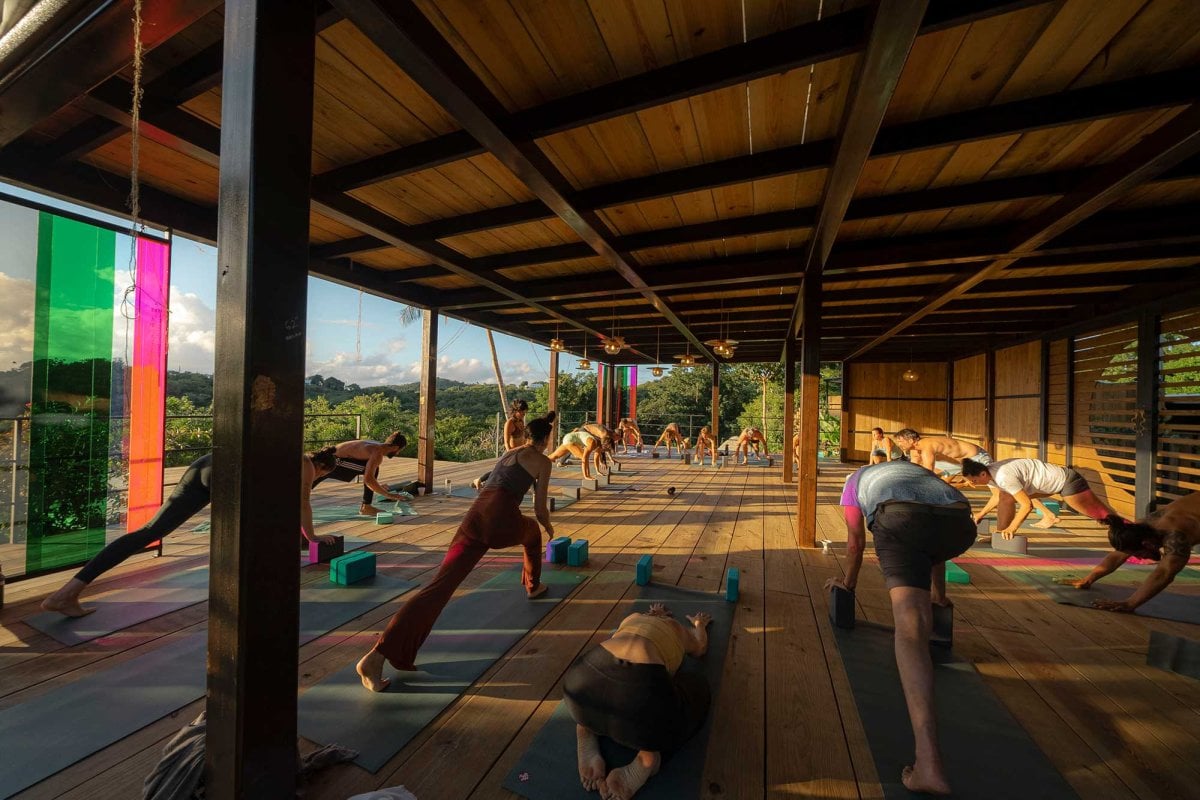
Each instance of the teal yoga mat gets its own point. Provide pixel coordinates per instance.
(1166, 605)
(136, 604)
(988, 755)
(470, 635)
(50, 732)
(548, 771)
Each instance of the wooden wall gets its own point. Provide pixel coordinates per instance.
(1103, 432)
(970, 399)
(1058, 401)
(875, 395)
(1018, 401)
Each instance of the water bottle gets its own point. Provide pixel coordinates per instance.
(449, 487)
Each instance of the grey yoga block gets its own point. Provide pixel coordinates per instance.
(1017, 544)
(841, 607)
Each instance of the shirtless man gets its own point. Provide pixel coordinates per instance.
(1020, 481)
(671, 436)
(626, 428)
(704, 442)
(926, 451)
(1166, 536)
(751, 437)
(363, 457)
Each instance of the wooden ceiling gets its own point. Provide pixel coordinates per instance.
(950, 173)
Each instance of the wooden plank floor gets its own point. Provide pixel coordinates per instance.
(786, 724)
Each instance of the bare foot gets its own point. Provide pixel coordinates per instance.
(917, 779)
(370, 670)
(591, 763)
(1046, 522)
(368, 510)
(67, 606)
(624, 782)
(538, 591)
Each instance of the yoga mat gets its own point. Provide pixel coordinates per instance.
(561, 501)
(1174, 654)
(471, 634)
(51, 732)
(321, 515)
(136, 604)
(988, 755)
(1177, 607)
(549, 766)
(985, 527)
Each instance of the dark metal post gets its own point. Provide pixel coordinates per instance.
(1146, 415)
(552, 399)
(789, 404)
(428, 400)
(262, 282)
(810, 412)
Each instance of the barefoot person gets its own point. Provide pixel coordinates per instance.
(191, 494)
(583, 445)
(1017, 483)
(1167, 536)
(670, 436)
(751, 437)
(927, 451)
(627, 429)
(918, 521)
(363, 457)
(628, 688)
(705, 443)
(494, 521)
(883, 448)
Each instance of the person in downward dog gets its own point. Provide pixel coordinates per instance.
(628, 688)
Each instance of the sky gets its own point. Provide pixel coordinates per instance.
(353, 336)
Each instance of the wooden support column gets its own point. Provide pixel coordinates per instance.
(1146, 416)
(989, 403)
(949, 398)
(1044, 403)
(810, 412)
(715, 424)
(1070, 398)
(552, 398)
(428, 399)
(789, 405)
(847, 416)
(258, 398)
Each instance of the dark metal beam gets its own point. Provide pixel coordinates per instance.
(1166, 147)
(401, 31)
(258, 399)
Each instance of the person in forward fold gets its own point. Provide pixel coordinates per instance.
(628, 689)
(1166, 537)
(918, 521)
(363, 457)
(494, 521)
(670, 436)
(705, 444)
(750, 437)
(190, 495)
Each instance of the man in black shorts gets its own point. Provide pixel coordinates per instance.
(918, 521)
(363, 457)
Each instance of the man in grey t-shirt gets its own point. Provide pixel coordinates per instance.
(918, 521)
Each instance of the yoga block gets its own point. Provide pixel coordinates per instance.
(577, 553)
(352, 567)
(731, 584)
(1017, 544)
(602, 480)
(770, 461)
(1052, 505)
(321, 553)
(956, 574)
(384, 518)
(556, 550)
(841, 607)
(591, 484)
(1174, 653)
(645, 569)
(943, 626)
(687, 458)
(616, 466)
(639, 448)
(569, 492)
(654, 455)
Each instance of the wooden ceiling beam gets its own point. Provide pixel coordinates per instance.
(407, 37)
(1169, 145)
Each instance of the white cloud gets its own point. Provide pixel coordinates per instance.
(16, 309)
(192, 333)
(475, 370)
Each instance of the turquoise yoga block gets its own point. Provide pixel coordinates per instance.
(556, 550)
(1053, 505)
(731, 584)
(577, 553)
(956, 574)
(352, 567)
(645, 569)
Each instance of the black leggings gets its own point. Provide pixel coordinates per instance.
(190, 495)
(346, 471)
(641, 706)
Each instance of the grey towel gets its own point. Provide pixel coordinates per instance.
(179, 775)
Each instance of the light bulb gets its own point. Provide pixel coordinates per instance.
(583, 364)
(612, 346)
(656, 371)
(557, 345)
(909, 375)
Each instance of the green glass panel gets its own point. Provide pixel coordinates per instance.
(72, 389)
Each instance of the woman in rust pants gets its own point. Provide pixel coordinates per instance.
(494, 521)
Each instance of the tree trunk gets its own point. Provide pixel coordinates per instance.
(496, 369)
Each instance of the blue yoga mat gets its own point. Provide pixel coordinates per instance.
(548, 769)
(51, 732)
(988, 755)
(470, 635)
(136, 604)
(1165, 605)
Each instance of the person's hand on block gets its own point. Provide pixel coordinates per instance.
(1008, 533)
(1120, 606)
(838, 582)
(1077, 583)
(322, 539)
